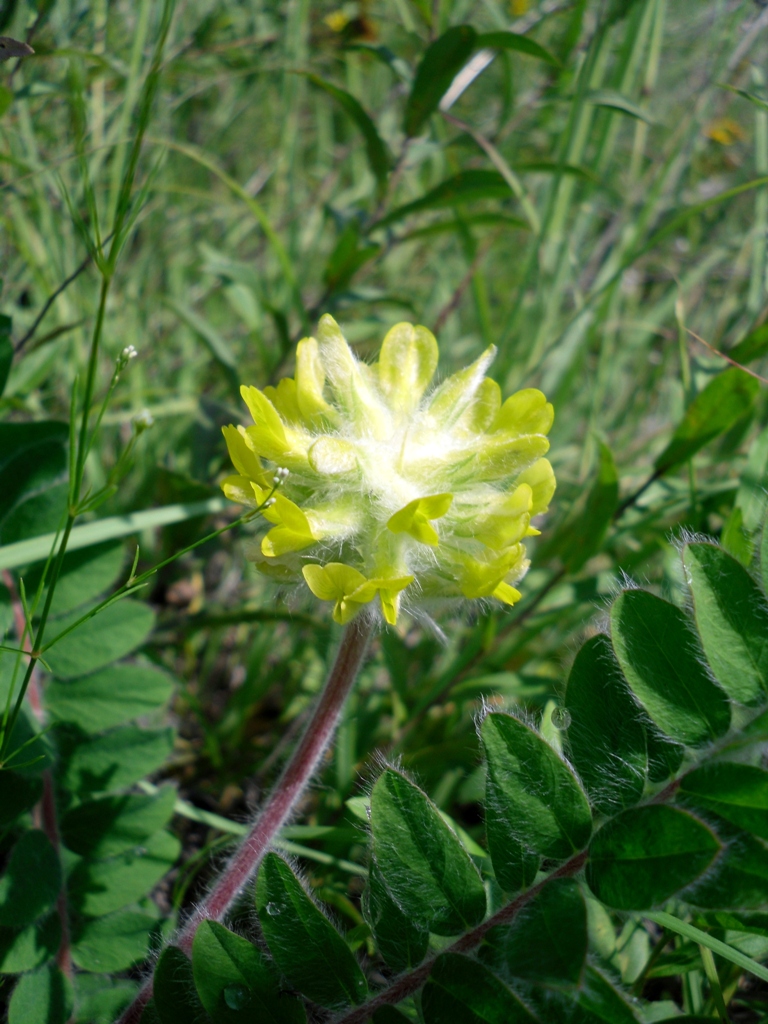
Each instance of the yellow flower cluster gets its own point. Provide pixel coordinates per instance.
(389, 488)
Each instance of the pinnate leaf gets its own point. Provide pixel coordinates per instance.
(423, 865)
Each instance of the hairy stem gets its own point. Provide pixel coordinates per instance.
(283, 799)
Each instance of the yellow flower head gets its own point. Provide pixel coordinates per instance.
(395, 491)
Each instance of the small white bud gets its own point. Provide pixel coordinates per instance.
(142, 421)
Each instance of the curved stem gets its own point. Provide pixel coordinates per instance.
(283, 799)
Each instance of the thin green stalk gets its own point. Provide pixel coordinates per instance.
(714, 982)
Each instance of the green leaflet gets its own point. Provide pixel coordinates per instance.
(303, 942)
(546, 942)
(115, 760)
(606, 737)
(31, 881)
(175, 998)
(465, 187)
(31, 947)
(379, 158)
(518, 42)
(84, 576)
(460, 989)
(98, 887)
(111, 634)
(534, 802)
(6, 346)
(111, 824)
(736, 792)
(17, 794)
(732, 620)
(42, 997)
(643, 856)
(31, 459)
(235, 980)
(400, 939)
(595, 1001)
(726, 399)
(442, 60)
(739, 880)
(656, 649)
(115, 942)
(422, 863)
(109, 697)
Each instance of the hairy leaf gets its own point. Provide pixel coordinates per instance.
(303, 942)
(736, 792)
(116, 760)
(656, 649)
(732, 620)
(645, 855)
(422, 863)
(606, 737)
(400, 939)
(739, 880)
(175, 998)
(534, 802)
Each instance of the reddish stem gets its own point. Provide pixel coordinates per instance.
(282, 801)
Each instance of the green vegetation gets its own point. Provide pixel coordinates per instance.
(553, 812)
